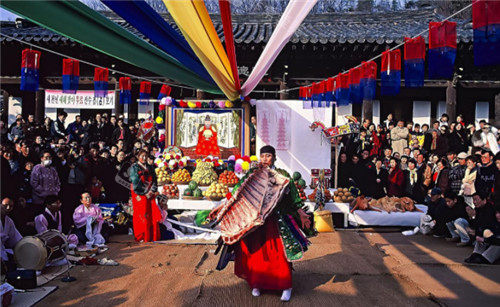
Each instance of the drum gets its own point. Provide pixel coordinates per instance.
(34, 252)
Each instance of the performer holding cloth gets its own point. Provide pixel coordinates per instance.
(147, 214)
(91, 228)
(50, 219)
(265, 224)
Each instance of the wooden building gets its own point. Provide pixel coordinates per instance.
(324, 45)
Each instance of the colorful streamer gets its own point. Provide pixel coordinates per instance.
(442, 49)
(71, 76)
(369, 79)
(486, 25)
(390, 73)
(125, 85)
(191, 16)
(291, 19)
(77, 21)
(414, 53)
(227, 26)
(145, 19)
(30, 65)
(329, 91)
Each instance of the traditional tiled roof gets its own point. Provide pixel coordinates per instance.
(345, 27)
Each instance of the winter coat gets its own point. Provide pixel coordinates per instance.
(399, 137)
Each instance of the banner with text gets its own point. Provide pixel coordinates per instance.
(80, 100)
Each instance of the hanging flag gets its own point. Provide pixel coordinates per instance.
(390, 73)
(314, 96)
(164, 91)
(101, 76)
(414, 52)
(307, 104)
(125, 90)
(369, 79)
(329, 91)
(343, 89)
(71, 76)
(144, 92)
(355, 90)
(321, 94)
(442, 49)
(30, 64)
(302, 95)
(486, 25)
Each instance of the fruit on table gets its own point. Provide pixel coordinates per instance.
(192, 185)
(197, 193)
(326, 192)
(181, 175)
(216, 190)
(162, 174)
(342, 195)
(204, 173)
(188, 192)
(229, 178)
(300, 189)
(296, 176)
(171, 191)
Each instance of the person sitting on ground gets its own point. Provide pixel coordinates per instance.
(50, 219)
(487, 246)
(90, 226)
(432, 221)
(9, 235)
(455, 217)
(481, 217)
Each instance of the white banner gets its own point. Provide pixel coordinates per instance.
(80, 100)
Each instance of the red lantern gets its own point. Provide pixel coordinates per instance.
(101, 76)
(30, 64)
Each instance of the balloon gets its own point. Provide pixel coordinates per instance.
(191, 104)
(228, 104)
(198, 104)
(231, 158)
(161, 107)
(168, 100)
(238, 168)
(212, 104)
(157, 161)
(254, 159)
(222, 104)
(239, 161)
(159, 120)
(245, 166)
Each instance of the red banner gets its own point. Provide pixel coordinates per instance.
(442, 34)
(414, 48)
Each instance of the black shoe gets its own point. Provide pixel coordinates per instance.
(479, 259)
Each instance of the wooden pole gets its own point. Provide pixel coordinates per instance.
(451, 101)
(336, 175)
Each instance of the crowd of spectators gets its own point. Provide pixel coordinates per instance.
(54, 158)
(451, 167)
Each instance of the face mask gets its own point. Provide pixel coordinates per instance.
(47, 162)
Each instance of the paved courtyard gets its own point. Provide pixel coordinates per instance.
(344, 268)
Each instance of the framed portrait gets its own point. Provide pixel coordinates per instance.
(203, 132)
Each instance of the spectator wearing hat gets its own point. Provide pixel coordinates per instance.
(435, 205)
(457, 173)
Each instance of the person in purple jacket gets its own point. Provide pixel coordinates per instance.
(44, 181)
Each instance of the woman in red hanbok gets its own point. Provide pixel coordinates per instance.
(143, 189)
(207, 140)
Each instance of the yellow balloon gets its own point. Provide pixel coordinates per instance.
(191, 104)
(159, 120)
(229, 104)
(254, 158)
(245, 166)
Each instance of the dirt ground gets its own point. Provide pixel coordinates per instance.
(344, 268)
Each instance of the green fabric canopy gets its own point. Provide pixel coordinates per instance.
(80, 23)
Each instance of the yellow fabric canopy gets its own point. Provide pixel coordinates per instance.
(192, 18)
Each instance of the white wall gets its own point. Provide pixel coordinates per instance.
(441, 108)
(422, 112)
(308, 149)
(142, 110)
(340, 112)
(15, 108)
(376, 112)
(482, 112)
